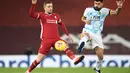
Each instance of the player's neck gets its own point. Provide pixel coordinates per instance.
(97, 9)
(48, 13)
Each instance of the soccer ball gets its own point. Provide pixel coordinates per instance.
(60, 45)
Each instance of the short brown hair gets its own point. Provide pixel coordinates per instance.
(47, 2)
(99, 0)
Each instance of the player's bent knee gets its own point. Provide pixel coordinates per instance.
(84, 35)
(87, 34)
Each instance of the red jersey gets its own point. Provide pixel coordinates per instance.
(49, 23)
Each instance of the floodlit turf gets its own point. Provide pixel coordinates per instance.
(65, 70)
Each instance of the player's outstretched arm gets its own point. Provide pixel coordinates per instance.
(119, 7)
(32, 12)
(65, 30)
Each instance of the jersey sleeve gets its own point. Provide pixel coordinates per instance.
(32, 12)
(106, 11)
(85, 12)
(62, 25)
(58, 19)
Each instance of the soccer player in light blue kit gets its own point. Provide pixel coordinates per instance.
(93, 18)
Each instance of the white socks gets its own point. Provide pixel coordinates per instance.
(98, 65)
(84, 39)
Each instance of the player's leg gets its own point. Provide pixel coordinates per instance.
(43, 50)
(35, 62)
(84, 39)
(99, 50)
(71, 55)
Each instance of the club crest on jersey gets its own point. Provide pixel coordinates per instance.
(99, 12)
(55, 17)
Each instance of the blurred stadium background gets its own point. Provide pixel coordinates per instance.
(19, 33)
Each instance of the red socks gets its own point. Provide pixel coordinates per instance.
(33, 65)
(69, 53)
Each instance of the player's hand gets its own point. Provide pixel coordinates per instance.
(120, 3)
(34, 1)
(70, 39)
(87, 21)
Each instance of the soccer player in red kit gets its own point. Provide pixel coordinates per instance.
(49, 33)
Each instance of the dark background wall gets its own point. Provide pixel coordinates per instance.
(18, 31)
(15, 12)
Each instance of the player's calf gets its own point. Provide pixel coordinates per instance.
(72, 56)
(61, 45)
(33, 65)
(35, 62)
(99, 53)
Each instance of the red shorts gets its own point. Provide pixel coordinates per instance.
(46, 45)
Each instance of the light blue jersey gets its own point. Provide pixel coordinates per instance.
(97, 19)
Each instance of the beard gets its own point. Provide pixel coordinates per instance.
(98, 9)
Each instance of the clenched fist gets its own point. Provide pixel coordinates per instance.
(34, 1)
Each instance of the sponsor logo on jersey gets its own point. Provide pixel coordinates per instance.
(97, 18)
(51, 21)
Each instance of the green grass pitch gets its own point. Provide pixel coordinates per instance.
(65, 70)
